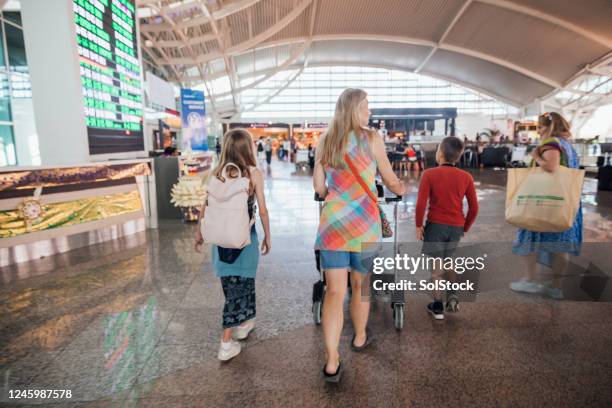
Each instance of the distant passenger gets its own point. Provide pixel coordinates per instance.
(286, 149)
(261, 154)
(413, 163)
(311, 157)
(348, 157)
(444, 187)
(480, 145)
(237, 267)
(293, 150)
(268, 150)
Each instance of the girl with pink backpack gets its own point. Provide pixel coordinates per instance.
(228, 223)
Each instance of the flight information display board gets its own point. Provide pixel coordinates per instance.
(110, 74)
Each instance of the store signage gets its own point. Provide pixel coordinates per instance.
(317, 125)
(320, 125)
(193, 120)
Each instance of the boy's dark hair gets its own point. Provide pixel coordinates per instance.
(452, 148)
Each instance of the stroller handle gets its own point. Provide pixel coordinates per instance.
(393, 199)
(317, 197)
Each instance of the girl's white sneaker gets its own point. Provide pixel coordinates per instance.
(227, 351)
(527, 286)
(242, 332)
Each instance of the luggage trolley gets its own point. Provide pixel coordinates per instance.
(397, 297)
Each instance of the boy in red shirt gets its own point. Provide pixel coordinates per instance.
(445, 187)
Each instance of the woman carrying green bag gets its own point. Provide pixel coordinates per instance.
(550, 248)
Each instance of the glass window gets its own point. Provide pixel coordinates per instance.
(16, 48)
(13, 17)
(2, 61)
(20, 86)
(5, 99)
(7, 146)
(315, 91)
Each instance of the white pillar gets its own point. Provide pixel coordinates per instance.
(51, 48)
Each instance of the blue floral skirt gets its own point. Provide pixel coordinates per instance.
(547, 243)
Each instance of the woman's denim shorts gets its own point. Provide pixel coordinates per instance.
(342, 259)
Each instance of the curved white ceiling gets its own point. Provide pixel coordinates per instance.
(514, 50)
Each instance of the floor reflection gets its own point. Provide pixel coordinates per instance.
(136, 322)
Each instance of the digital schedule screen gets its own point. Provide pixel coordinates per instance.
(110, 74)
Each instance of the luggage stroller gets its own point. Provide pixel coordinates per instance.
(318, 289)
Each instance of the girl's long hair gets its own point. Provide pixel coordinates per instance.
(346, 119)
(555, 125)
(237, 149)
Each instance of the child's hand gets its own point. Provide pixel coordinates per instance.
(266, 246)
(419, 233)
(199, 240)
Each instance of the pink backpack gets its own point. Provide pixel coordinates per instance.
(226, 220)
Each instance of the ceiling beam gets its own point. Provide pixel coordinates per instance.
(233, 8)
(154, 62)
(292, 58)
(229, 66)
(501, 62)
(600, 62)
(154, 28)
(586, 94)
(313, 15)
(251, 43)
(415, 41)
(223, 12)
(190, 41)
(543, 15)
(183, 38)
(444, 35)
(163, 55)
(279, 25)
(272, 95)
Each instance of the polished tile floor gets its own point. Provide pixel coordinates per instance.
(136, 322)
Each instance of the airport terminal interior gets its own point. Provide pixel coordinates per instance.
(115, 116)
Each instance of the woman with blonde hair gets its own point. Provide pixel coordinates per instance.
(551, 249)
(346, 161)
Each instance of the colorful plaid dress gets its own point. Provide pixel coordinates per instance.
(349, 216)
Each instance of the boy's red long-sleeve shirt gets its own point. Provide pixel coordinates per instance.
(444, 187)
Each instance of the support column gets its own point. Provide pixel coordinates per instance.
(50, 43)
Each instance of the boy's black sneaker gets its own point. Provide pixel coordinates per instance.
(436, 309)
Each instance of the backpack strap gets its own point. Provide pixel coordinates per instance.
(224, 171)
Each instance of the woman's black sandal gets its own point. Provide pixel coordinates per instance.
(364, 345)
(333, 378)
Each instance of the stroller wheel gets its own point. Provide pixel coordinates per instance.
(398, 315)
(316, 312)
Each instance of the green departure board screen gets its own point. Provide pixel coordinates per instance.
(110, 74)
